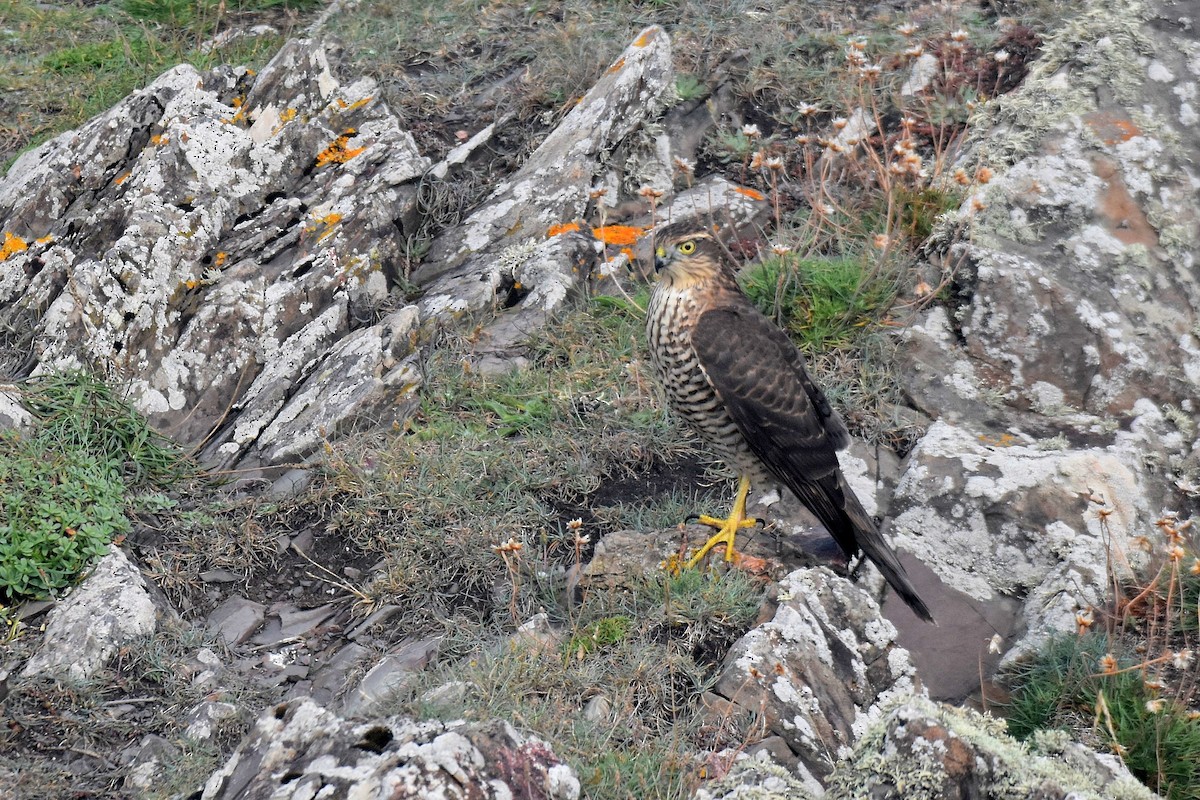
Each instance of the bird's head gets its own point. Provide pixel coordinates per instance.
(688, 256)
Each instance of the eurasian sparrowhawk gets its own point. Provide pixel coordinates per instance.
(740, 382)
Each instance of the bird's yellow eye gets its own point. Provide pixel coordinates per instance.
(687, 248)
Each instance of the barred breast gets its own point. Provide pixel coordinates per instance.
(670, 319)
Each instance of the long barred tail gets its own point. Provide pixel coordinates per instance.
(835, 504)
(868, 537)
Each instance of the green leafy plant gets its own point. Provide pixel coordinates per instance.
(602, 633)
(65, 487)
(60, 511)
(689, 87)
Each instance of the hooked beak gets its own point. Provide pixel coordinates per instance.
(660, 259)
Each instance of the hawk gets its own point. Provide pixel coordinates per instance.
(739, 381)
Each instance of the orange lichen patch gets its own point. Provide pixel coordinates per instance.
(562, 227)
(338, 151)
(1124, 215)
(191, 283)
(122, 178)
(47, 239)
(237, 102)
(359, 103)
(1112, 128)
(620, 62)
(220, 259)
(618, 234)
(643, 40)
(329, 221)
(751, 193)
(287, 115)
(159, 139)
(1003, 440)
(12, 245)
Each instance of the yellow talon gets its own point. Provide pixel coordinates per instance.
(727, 528)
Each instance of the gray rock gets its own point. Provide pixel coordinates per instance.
(12, 414)
(333, 675)
(236, 619)
(716, 200)
(145, 768)
(757, 777)
(921, 750)
(819, 671)
(1002, 516)
(203, 720)
(390, 674)
(1079, 282)
(299, 748)
(108, 610)
(223, 234)
(553, 185)
(286, 623)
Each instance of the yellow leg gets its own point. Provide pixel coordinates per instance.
(727, 528)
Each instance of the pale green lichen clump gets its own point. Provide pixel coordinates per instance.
(1013, 770)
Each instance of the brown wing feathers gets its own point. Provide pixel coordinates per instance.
(789, 425)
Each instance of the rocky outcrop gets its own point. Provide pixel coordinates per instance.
(921, 749)
(108, 610)
(1081, 289)
(301, 750)
(224, 243)
(818, 671)
(234, 247)
(1064, 383)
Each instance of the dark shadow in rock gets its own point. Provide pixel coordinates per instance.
(953, 657)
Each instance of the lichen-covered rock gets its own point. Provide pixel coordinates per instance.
(819, 670)
(1022, 518)
(920, 750)
(1080, 279)
(210, 240)
(756, 778)
(108, 610)
(301, 750)
(468, 267)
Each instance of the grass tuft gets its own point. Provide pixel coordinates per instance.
(1127, 681)
(620, 698)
